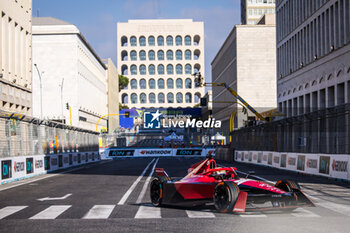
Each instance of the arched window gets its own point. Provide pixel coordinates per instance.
(178, 55)
(188, 54)
(124, 55)
(143, 99)
(188, 69)
(160, 83)
(179, 83)
(125, 70)
(161, 98)
(133, 98)
(160, 55)
(196, 40)
(169, 40)
(169, 69)
(143, 84)
(142, 41)
(152, 84)
(170, 83)
(179, 98)
(133, 41)
(142, 69)
(187, 40)
(151, 69)
(188, 98)
(133, 55)
(133, 84)
(197, 97)
(178, 69)
(160, 41)
(160, 69)
(142, 55)
(124, 41)
(151, 55)
(151, 41)
(196, 54)
(169, 55)
(197, 68)
(133, 69)
(178, 40)
(124, 98)
(170, 97)
(152, 98)
(188, 83)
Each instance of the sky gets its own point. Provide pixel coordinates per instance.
(97, 19)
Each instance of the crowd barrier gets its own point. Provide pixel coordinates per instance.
(144, 152)
(330, 165)
(21, 167)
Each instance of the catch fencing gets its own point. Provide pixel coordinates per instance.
(22, 135)
(326, 131)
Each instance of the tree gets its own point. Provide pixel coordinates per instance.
(122, 106)
(123, 82)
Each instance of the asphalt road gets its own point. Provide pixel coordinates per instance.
(113, 197)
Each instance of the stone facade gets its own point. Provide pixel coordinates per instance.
(16, 56)
(159, 58)
(61, 52)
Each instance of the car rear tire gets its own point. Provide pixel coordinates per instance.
(156, 192)
(225, 196)
(287, 185)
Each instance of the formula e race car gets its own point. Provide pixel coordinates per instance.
(206, 183)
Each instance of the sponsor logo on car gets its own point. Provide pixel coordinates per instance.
(339, 166)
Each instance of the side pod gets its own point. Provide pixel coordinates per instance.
(241, 202)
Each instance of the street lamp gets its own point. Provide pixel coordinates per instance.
(61, 86)
(41, 92)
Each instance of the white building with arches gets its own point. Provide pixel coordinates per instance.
(159, 57)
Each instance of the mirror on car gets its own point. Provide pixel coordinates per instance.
(250, 173)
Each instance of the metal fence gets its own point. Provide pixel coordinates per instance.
(22, 135)
(324, 131)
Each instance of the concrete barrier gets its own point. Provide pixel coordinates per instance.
(22, 167)
(330, 165)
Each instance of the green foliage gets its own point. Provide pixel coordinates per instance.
(123, 82)
(121, 106)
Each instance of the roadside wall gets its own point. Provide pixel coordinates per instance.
(329, 165)
(21, 167)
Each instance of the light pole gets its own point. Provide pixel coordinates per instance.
(62, 98)
(41, 92)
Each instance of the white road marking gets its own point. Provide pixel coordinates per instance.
(51, 212)
(252, 215)
(99, 212)
(301, 212)
(144, 188)
(342, 209)
(14, 184)
(132, 187)
(199, 214)
(146, 211)
(54, 198)
(6, 211)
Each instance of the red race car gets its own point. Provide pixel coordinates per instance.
(207, 183)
